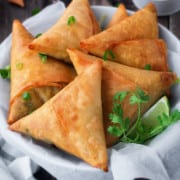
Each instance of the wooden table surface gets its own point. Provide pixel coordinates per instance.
(8, 12)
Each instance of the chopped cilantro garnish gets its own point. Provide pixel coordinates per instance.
(38, 35)
(139, 132)
(35, 11)
(118, 4)
(26, 96)
(6, 72)
(108, 54)
(43, 57)
(147, 67)
(19, 66)
(71, 20)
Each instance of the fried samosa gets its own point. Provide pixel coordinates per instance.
(141, 25)
(118, 16)
(140, 53)
(17, 2)
(72, 119)
(77, 23)
(33, 81)
(117, 78)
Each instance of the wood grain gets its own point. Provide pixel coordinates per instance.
(174, 24)
(8, 12)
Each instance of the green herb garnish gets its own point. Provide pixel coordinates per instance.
(117, 116)
(108, 54)
(26, 96)
(139, 132)
(71, 20)
(19, 66)
(118, 4)
(147, 67)
(38, 35)
(43, 57)
(6, 72)
(35, 11)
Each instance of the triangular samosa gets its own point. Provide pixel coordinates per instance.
(77, 23)
(72, 119)
(32, 81)
(142, 24)
(119, 15)
(142, 53)
(116, 78)
(17, 2)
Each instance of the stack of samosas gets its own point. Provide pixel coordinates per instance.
(54, 103)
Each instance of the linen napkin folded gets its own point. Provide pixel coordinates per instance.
(14, 165)
(159, 159)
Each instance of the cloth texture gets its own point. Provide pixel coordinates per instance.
(20, 156)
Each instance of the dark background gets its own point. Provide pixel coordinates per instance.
(8, 12)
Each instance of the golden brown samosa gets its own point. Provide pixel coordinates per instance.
(117, 78)
(119, 15)
(140, 53)
(72, 119)
(33, 82)
(142, 24)
(17, 2)
(77, 23)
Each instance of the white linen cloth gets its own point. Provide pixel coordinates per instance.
(159, 159)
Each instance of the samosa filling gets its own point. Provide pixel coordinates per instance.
(32, 99)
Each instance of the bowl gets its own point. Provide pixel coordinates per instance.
(164, 7)
(56, 162)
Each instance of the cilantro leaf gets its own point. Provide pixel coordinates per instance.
(38, 35)
(108, 54)
(115, 131)
(26, 96)
(120, 95)
(139, 132)
(6, 72)
(43, 57)
(147, 67)
(139, 97)
(35, 11)
(71, 20)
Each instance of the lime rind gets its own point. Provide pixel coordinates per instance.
(150, 117)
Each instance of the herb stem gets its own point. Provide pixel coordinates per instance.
(133, 128)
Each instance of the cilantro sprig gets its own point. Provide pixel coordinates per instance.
(71, 20)
(35, 11)
(117, 116)
(108, 54)
(139, 132)
(6, 72)
(147, 67)
(38, 35)
(26, 96)
(43, 57)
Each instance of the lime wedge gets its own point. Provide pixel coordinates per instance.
(150, 117)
